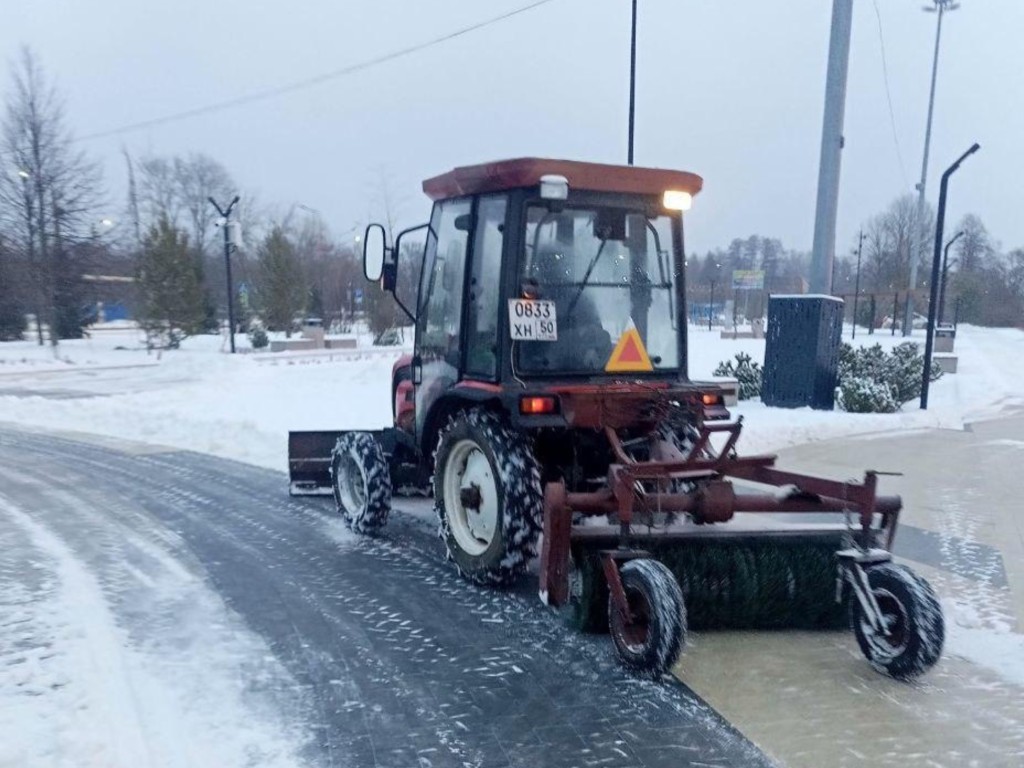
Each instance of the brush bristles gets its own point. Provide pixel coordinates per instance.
(748, 583)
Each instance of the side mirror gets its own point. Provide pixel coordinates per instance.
(375, 248)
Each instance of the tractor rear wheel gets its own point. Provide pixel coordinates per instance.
(915, 629)
(488, 497)
(651, 642)
(361, 481)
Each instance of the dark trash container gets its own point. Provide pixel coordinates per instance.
(801, 360)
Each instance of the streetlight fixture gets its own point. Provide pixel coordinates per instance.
(940, 7)
(933, 304)
(945, 275)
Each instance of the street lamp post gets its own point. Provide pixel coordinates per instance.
(933, 304)
(711, 302)
(30, 225)
(226, 214)
(632, 83)
(945, 274)
(940, 7)
(856, 287)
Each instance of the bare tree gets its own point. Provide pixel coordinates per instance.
(158, 191)
(888, 239)
(388, 206)
(1015, 274)
(199, 177)
(51, 197)
(179, 189)
(133, 199)
(974, 249)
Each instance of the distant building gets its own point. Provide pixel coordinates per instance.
(110, 297)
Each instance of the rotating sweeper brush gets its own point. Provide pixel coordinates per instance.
(548, 393)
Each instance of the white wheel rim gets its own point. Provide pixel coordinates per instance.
(468, 470)
(881, 645)
(351, 483)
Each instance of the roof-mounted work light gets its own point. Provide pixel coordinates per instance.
(675, 200)
(554, 187)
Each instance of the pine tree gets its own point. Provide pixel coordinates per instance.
(170, 296)
(280, 285)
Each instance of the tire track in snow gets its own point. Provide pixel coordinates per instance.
(93, 648)
(144, 667)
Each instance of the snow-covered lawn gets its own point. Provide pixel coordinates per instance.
(243, 406)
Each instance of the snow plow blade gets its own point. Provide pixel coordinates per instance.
(309, 462)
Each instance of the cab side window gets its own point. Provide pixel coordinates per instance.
(442, 282)
(484, 309)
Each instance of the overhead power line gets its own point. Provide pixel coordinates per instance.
(888, 97)
(310, 82)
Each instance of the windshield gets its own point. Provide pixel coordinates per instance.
(603, 270)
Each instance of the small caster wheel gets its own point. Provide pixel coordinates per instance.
(653, 640)
(915, 629)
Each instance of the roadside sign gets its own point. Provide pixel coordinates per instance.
(748, 279)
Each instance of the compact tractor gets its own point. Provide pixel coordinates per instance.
(547, 405)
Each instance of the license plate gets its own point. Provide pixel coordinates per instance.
(532, 320)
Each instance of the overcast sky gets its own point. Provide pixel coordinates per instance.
(730, 89)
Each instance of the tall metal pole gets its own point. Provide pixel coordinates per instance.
(823, 254)
(945, 274)
(711, 304)
(632, 83)
(856, 285)
(226, 214)
(940, 219)
(30, 222)
(917, 243)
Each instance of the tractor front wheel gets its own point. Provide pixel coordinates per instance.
(915, 630)
(488, 497)
(652, 640)
(361, 481)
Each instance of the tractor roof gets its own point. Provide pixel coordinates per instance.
(527, 171)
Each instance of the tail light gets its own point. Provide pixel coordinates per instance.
(713, 406)
(538, 405)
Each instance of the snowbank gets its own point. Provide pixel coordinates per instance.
(243, 406)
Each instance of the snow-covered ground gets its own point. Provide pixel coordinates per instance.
(243, 406)
(179, 686)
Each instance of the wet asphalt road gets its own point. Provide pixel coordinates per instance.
(398, 661)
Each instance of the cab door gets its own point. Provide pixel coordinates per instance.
(439, 320)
